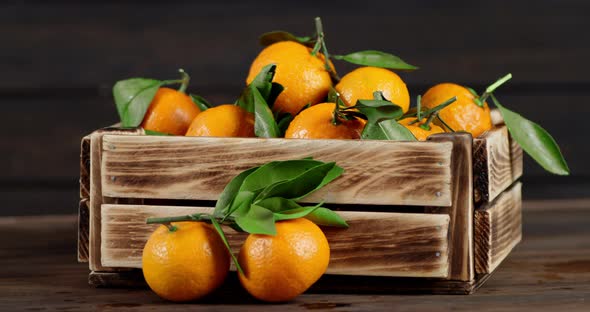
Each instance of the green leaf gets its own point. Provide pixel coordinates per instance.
(277, 171)
(265, 125)
(299, 186)
(381, 120)
(133, 97)
(246, 100)
(296, 213)
(152, 132)
(278, 204)
(229, 193)
(275, 91)
(269, 38)
(534, 140)
(376, 59)
(225, 242)
(263, 80)
(283, 123)
(378, 110)
(200, 101)
(387, 130)
(257, 220)
(241, 204)
(326, 217)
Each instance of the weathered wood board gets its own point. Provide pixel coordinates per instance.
(497, 163)
(498, 228)
(461, 212)
(96, 199)
(328, 283)
(377, 243)
(392, 173)
(83, 207)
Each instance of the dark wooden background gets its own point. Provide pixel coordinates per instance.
(59, 60)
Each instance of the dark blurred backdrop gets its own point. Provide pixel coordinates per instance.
(59, 60)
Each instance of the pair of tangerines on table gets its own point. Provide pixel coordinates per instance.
(306, 83)
(190, 261)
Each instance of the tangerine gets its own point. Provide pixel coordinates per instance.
(170, 111)
(187, 263)
(279, 268)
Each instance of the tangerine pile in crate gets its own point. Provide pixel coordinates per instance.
(422, 199)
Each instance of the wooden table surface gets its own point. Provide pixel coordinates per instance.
(548, 271)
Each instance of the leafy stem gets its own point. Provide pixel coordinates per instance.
(431, 113)
(320, 44)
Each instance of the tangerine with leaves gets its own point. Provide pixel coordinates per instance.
(319, 122)
(226, 120)
(361, 83)
(303, 75)
(280, 268)
(463, 115)
(170, 112)
(185, 261)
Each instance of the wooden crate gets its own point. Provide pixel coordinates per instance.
(433, 217)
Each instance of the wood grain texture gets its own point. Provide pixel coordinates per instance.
(83, 229)
(461, 212)
(96, 197)
(497, 163)
(328, 284)
(376, 172)
(376, 243)
(498, 228)
(548, 271)
(83, 207)
(85, 167)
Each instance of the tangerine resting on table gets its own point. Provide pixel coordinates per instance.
(303, 76)
(315, 122)
(226, 120)
(279, 268)
(462, 115)
(420, 133)
(360, 84)
(185, 264)
(170, 112)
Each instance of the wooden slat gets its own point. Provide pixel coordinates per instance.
(498, 228)
(497, 163)
(83, 229)
(376, 172)
(461, 212)
(327, 284)
(95, 196)
(85, 167)
(83, 208)
(376, 243)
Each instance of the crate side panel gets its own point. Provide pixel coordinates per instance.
(498, 228)
(376, 172)
(497, 164)
(378, 244)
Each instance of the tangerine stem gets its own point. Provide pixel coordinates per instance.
(321, 44)
(419, 106)
(491, 88)
(167, 220)
(426, 125)
(184, 81)
(444, 123)
(171, 227)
